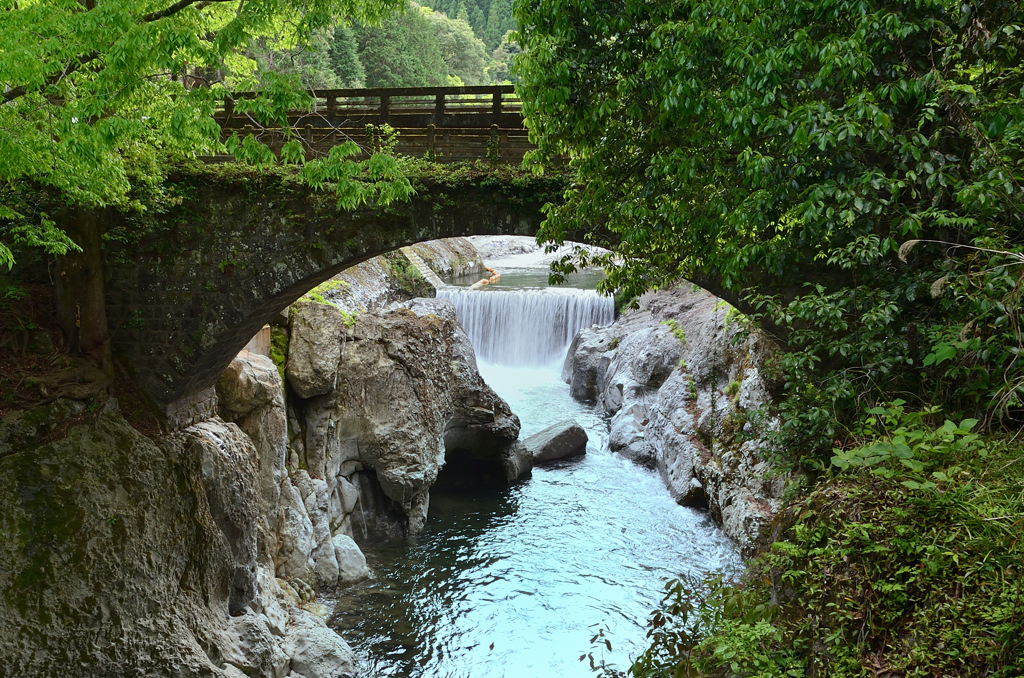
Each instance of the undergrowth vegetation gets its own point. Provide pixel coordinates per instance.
(905, 564)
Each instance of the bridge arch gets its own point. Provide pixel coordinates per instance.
(186, 291)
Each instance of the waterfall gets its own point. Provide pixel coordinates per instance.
(526, 328)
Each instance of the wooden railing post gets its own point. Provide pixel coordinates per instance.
(496, 105)
(332, 103)
(385, 103)
(439, 109)
(229, 107)
(493, 148)
(431, 129)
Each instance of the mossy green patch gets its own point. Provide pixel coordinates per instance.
(279, 349)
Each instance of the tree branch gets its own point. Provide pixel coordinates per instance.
(177, 7)
(21, 90)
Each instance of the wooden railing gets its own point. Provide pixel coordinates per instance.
(448, 123)
(481, 106)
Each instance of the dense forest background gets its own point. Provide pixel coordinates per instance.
(456, 43)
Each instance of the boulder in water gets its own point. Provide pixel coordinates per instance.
(317, 651)
(561, 441)
(518, 463)
(351, 561)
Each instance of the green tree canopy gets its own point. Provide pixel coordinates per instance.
(345, 58)
(504, 55)
(95, 91)
(311, 64)
(499, 22)
(402, 52)
(462, 51)
(779, 153)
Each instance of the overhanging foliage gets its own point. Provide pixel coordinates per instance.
(778, 153)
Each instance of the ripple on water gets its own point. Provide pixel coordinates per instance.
(513, 584)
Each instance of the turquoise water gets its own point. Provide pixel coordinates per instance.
(514, 583)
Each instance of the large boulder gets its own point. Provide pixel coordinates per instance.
(314, 348)
(408, 401)
(688, 397)
(628, 435)
(315, 650)
(481, 429)
(518, 463)
(586, 364)
(351, 561)
(559, 441)
(251, 381)
(250, 394)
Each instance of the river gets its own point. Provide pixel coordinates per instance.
(515, 583)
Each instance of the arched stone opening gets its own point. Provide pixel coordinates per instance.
(189, 291)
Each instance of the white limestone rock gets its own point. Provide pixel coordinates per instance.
(453, 257)
(628, 435)
(351, 561)
(409, 400)
(315, 650)
(146, 547)
(681, 392)
(248, 646)
(294, 535)
(314, 348)
(586, 363)
(250, 394)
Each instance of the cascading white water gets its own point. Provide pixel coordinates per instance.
(526, 328)
(583, 544)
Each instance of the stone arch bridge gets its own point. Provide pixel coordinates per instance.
(186, 291)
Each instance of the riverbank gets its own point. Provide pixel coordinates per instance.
(892, 569)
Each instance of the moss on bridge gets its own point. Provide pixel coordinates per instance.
(217, 250)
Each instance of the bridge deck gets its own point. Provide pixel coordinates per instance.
(447, 123)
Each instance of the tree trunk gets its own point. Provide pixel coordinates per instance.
(81, 295)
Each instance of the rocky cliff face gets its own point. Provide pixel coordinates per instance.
(200, 553)
(125, 556)
(382, 403)
(450, 257)
(686, 398)
(374, 286)
(193, 554)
